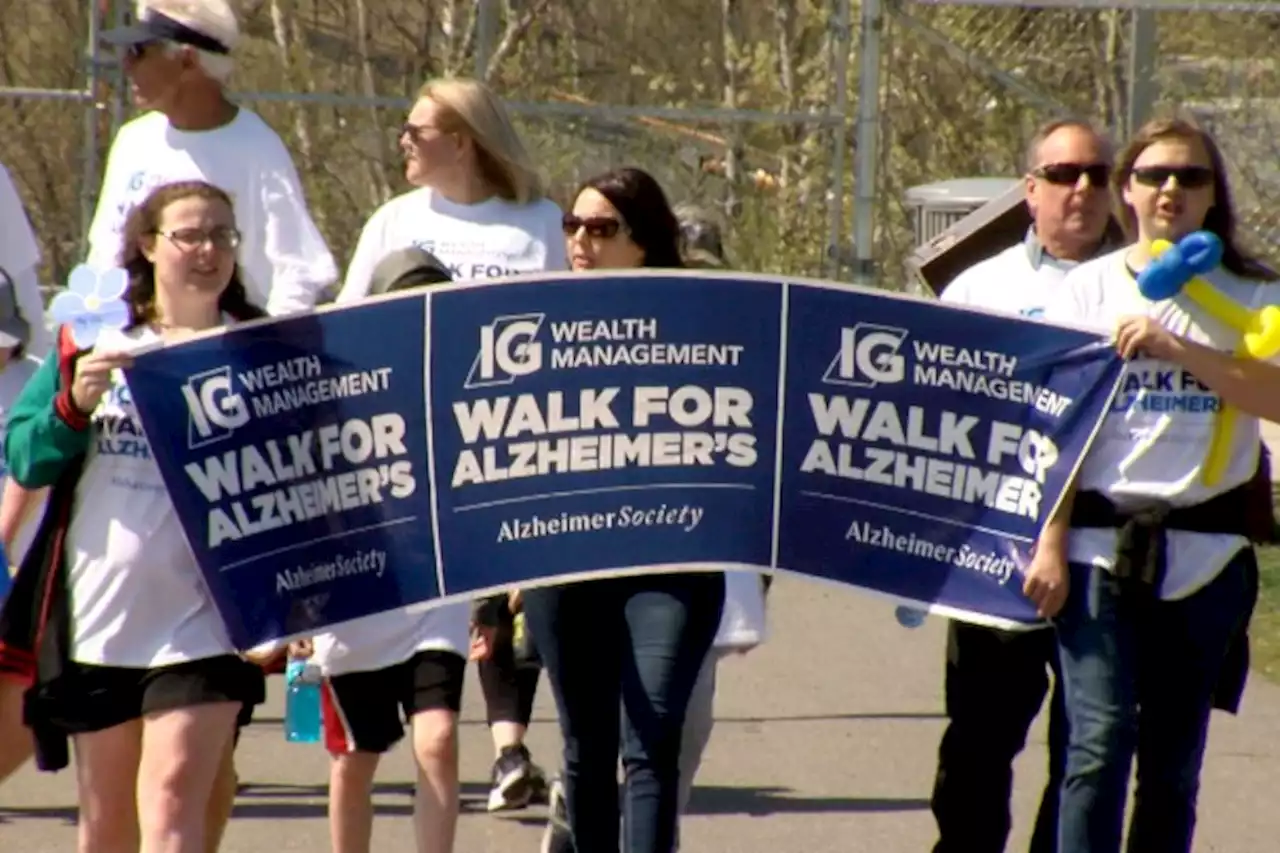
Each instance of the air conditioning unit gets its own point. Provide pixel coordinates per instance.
(960, 222)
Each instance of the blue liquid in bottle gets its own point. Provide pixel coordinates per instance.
(910, 617)
(5, 580)
(302, 703)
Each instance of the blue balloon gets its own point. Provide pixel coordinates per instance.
(1201, 250)
(1164, 277)
(1194, 255)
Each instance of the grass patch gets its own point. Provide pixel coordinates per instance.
(1264, 631)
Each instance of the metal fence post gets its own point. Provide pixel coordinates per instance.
(1143, 87)
(866, 147)
(486, 35)
(89, 173)
(841, 33)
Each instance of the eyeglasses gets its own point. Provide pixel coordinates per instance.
(139, 50)
(597, 227)
(415, 131)
(1188, 177)
(1068, 174)
(189, 239)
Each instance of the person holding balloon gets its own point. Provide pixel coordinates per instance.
(1158, 527)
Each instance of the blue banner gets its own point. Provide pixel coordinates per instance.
(481, 436)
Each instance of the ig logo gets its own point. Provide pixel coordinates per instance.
(869, 355)
(508, 349)
(216, 411)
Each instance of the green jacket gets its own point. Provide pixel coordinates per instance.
(46, 430)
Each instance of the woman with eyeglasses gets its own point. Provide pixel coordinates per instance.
(478, 206)
(1159, 545)
(623, 654)
(128, 655)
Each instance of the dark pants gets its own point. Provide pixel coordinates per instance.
(1141, 676)
(996, 684)
(622, 657)
(509, 684)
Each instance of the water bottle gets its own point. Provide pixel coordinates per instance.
(302, 702)
(910, 617)
(5, 580)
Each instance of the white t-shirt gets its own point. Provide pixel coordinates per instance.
(489, 239)
(1156, 438)
(20, 258)
(1010, 282)
(284, 259)
(13, 378)
(137, 596)
(386, 639)
(486, 240)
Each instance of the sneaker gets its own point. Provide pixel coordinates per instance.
(512, 780)
(539, 789)
(557, 838)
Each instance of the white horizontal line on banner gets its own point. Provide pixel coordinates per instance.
(900, 511)
(746, 487)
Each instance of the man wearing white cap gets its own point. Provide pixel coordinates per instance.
(178, 57)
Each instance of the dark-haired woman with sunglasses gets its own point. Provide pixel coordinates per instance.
(1158, 536)
(623, 654)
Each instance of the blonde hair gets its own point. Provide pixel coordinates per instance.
(214, 18)
(470, 107)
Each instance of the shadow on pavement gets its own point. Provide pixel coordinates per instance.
(712, 800)
(269, 801)
(785, 718)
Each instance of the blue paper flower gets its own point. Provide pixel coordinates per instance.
(92, 302)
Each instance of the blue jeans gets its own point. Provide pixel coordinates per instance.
(622, 656)
(1140, 677)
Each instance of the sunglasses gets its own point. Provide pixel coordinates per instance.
(189, 239)
(415, 131)
(597, 227)
(1068, 174)
(1188, 177)
(139, 50)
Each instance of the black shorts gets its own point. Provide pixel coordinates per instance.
(106, 696)
(362, 710)
(245, 717)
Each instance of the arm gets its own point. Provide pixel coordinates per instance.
(370, 248)
(16, 507)
(46, 430)
(300, 262)
(1048, 578)
(1251, 386)
(105, 236)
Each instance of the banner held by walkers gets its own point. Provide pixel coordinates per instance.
(480, 436)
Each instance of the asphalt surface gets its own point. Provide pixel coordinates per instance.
(825, 740)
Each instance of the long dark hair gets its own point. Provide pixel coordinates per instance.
(646, 212)
(1220, 219)
(142, 225)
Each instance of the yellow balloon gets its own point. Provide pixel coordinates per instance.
(1260, 329)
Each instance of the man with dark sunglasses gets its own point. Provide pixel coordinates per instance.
(996, 681)
(178, 56)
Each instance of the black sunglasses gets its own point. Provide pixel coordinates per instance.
(1068, 174)
(1188, 177)
(598, 227)
(139, 50)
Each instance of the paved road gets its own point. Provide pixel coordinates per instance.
(825, 742)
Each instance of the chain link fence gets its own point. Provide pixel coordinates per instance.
(966, 81)
(762, 112)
